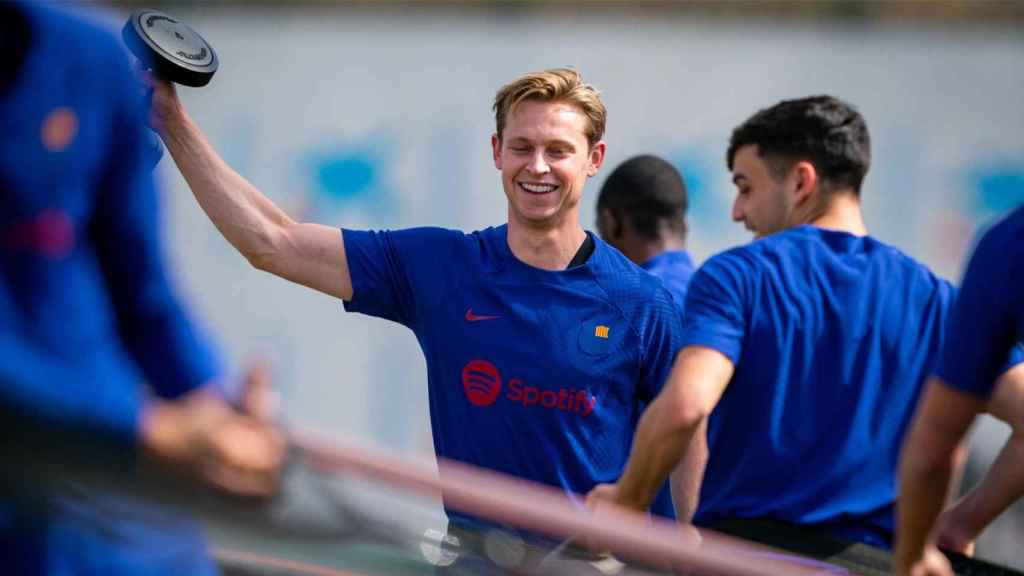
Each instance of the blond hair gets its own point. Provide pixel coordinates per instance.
(555, 85)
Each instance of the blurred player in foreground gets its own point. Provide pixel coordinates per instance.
(88, 320)
(541, 341)
(805, 351)
(641, 210)
(988, 321)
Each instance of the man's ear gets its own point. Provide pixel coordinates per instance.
(608, 226)
(805, 181)
(496, 150)
(596, 158)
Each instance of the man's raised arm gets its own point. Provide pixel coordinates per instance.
(309, 254)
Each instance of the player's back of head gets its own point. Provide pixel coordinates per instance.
(829, 133)
(649, 193)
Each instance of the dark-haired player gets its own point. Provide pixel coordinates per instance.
(641, 210)
(804, 351)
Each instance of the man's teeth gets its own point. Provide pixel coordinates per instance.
(538, 188)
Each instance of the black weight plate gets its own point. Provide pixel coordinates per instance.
(171, 49)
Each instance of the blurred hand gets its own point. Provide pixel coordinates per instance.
(932, 563)
(602, 494)
(600, 500)
(603, 500)
(239, 452)
(164, 103)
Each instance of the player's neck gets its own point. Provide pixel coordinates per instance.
(547, 248)
(842, 213)
(641, 250)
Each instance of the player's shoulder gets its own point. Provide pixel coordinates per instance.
(1005, 237)
(737, 262)
(615, 269)
(431, 238)
(78, 47)
(639, 294)
(79, 32)
(898, 264)
(458, 247)
(894, 267)
(1012, 225)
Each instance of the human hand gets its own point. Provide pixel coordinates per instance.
(602, 494)
(164, 105)
(931, 563)
(238, 452)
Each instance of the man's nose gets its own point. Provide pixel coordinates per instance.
(737, 210)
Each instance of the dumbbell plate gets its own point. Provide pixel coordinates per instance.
(171, 49)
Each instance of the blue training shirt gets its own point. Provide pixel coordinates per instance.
(832, 336)
(86, 313)
(674, 267)
(535, 373)
(988, 320)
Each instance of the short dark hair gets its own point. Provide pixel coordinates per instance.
(646, 190)
(823, 130)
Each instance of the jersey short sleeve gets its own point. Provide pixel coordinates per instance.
(397, 274)
(982, 332)
(714, 314)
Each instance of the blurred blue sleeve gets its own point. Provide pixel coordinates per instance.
(980, 343)
(169, 348)
(27, 376)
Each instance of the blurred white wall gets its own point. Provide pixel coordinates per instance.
(382, 119)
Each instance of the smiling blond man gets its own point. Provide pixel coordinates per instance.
(542, 342)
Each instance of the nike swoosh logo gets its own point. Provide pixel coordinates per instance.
(470, 317)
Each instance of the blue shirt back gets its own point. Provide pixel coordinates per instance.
(832, 336)
(87, 316)
(535, 373)
(988, 320)
(674, 267)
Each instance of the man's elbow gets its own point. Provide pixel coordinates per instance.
(685, 417)
(266, 251)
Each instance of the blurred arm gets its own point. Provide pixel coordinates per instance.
(1003, 484)
(189, 426)
(669, 428)
(125, 232)
(309, 254)
(930, 455)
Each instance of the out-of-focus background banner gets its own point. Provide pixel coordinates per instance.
(377, 115)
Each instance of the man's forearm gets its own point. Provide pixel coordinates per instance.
(688, 475)
(246, 218)
(923, 490)
(929, 458)
(658, 447)
(1002, 485)
(666, 430)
